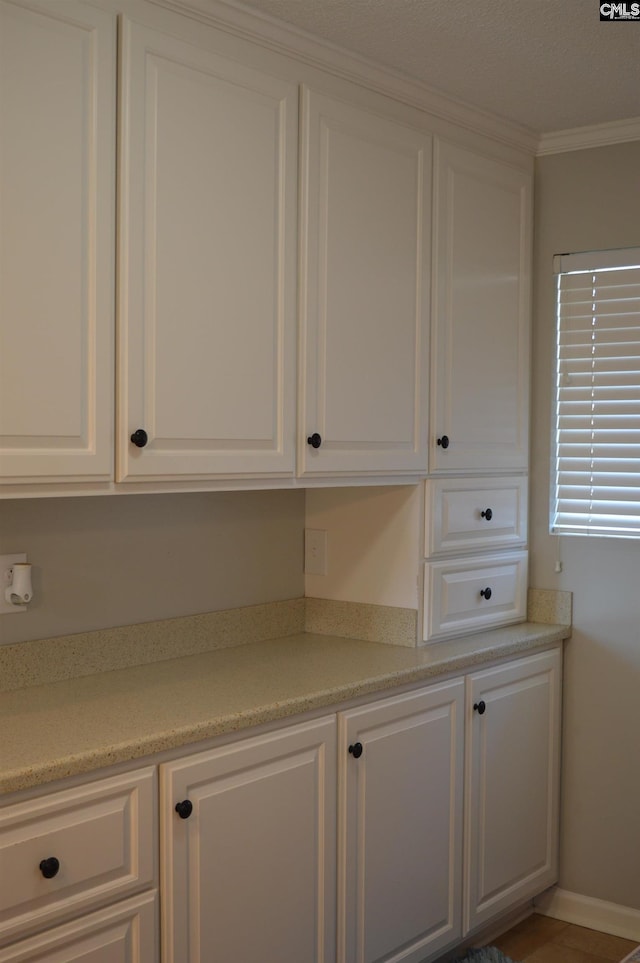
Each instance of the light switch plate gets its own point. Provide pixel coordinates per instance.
(6, 564)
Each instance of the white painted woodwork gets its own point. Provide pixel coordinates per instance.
(57, 236)
(207, 261)
(103, 835)
(453, 603)
(365, 289)
(401, 826)
(250, 875)
(480, 330)
(512, 772)
(454, 519)
(124, 933)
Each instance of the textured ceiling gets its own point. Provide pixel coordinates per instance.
(547, 64)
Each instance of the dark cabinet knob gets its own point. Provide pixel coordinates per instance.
(487, 513)
(49, 867)
(356, 750)
(480, 708)
(140, 438)
(443, 442)
(315, 440)
(486, 593)
(184, 808)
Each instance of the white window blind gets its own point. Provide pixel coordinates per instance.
(596, 461)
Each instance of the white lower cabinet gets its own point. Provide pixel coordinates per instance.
(249, 850)
(78, 871)
(401, 817)
(382, 834)
(447, 817)
(512, 772)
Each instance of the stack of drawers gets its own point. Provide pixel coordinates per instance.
(475, 571)
(79, 874)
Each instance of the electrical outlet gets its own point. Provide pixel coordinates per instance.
(315, 551)
(6, 564)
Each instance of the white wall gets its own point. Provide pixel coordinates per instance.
(588, 200)
(114, 560)
(374, 538)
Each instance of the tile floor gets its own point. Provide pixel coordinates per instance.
(540, 939)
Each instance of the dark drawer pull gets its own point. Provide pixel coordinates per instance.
(356, 750)
(443, 442)
(487, 513)
(49, 867)
(480, 708)
(485, 593)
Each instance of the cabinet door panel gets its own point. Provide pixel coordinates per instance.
(207, 308)
(366, 285)
(401, 807)
(513, 755)
(250, 875)
(57, 193)
(480, 346)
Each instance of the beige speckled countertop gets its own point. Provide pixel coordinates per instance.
(79, 725)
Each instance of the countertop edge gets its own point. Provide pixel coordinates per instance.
(482, 649)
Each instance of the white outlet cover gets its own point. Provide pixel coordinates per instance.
(315, 551)
(6, 564)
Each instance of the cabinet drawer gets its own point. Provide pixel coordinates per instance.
(102, 837)
(473, 514)
(125, 933)
(466, 595)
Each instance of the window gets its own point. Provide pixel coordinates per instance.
(596, 457)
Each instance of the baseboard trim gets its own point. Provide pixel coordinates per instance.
(597, 914)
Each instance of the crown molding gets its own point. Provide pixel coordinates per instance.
(597, 135)
(241, 21)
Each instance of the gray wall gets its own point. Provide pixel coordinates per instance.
(588, 200)
(114, 560)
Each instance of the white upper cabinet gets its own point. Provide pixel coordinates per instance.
(268, 299)
(365, 289)
(57, 196)
(480, 328)
(208, 264)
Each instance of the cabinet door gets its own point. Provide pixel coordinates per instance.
(250, 874)
(480, 346)
(513, 758)
(124, 933)
(208, 261)
(57, 193)
(401, 826)
(365, 291)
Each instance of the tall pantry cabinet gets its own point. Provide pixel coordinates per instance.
(475, 572)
